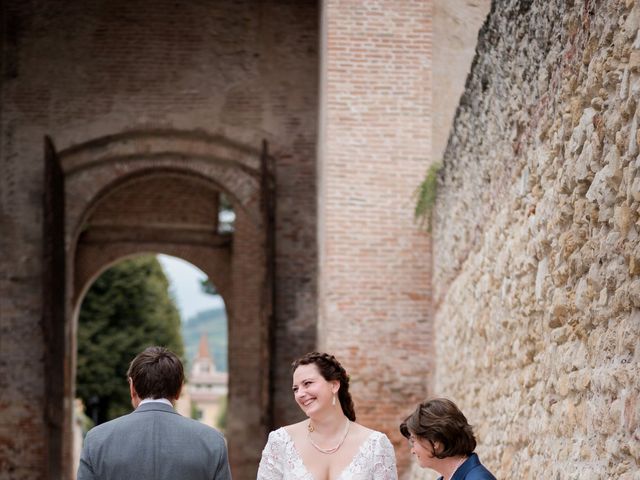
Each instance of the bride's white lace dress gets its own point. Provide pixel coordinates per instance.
(375, 460)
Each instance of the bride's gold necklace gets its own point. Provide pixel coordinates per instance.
(327, 450)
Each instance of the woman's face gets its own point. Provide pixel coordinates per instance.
(311, 391)
(423, 451)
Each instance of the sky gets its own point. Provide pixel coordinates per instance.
(185, 287)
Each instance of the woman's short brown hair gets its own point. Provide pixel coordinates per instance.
(440, 420)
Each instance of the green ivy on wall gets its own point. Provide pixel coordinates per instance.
(426, 196)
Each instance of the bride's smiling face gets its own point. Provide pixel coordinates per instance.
(311, 391)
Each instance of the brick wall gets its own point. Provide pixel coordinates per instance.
(374, 291)
(78, 71)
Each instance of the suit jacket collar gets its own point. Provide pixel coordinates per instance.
(468, 465)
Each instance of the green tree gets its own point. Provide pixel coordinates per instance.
(221, 421)
(127, 309)
(207, 287)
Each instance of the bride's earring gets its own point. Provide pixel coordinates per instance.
(333, 400)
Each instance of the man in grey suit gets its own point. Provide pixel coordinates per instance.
(154, 442)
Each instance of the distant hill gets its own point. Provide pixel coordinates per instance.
(213, 322)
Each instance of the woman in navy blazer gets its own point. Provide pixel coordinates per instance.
(442, 440)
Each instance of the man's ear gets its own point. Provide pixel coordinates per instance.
(135, 400)
(179, 392)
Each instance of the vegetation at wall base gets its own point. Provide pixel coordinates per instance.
(221, 421)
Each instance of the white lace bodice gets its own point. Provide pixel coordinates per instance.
(375, 460)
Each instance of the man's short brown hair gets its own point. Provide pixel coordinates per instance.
(156, 373)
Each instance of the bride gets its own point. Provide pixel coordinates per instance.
(329, 445)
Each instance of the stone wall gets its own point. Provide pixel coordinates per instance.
(536, 247)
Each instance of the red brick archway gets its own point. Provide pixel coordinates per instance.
(158, 191)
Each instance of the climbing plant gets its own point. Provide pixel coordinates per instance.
(426, 196)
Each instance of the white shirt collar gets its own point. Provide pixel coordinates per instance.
(161, 400)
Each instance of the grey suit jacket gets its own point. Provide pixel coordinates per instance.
(154, 443)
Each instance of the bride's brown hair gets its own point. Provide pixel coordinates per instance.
(330, 369)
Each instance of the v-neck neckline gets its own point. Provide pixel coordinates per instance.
(342, 472)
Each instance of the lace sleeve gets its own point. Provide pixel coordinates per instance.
(384, 460)
(272, 457)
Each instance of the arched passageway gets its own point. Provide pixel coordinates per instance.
(160, 192)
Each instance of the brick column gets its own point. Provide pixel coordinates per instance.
(374, 288)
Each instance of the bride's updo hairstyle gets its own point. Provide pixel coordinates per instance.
(330, 369)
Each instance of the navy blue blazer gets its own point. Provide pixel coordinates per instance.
(472, 469)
